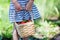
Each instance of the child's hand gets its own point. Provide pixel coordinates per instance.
(17, 6)
(28, 7)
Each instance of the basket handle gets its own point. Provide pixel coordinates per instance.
(31, 14)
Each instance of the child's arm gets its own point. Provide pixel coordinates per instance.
(15, 35)
(29, 5)
(17, 5)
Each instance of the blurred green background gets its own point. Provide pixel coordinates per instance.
(50, 19)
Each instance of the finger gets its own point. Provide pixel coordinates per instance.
(18, 9)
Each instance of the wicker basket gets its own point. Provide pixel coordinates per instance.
(27, 29)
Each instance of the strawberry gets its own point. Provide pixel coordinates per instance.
(22, 22)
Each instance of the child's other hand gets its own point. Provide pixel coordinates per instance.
(28, 7)
(17, 6)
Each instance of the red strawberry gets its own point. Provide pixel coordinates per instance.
(22, 22)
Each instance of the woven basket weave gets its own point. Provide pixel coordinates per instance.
(25, 30)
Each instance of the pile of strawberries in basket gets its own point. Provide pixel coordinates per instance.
(24, 21)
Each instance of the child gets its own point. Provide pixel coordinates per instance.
(16, 13)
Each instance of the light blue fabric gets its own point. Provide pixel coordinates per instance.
(18, 16)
